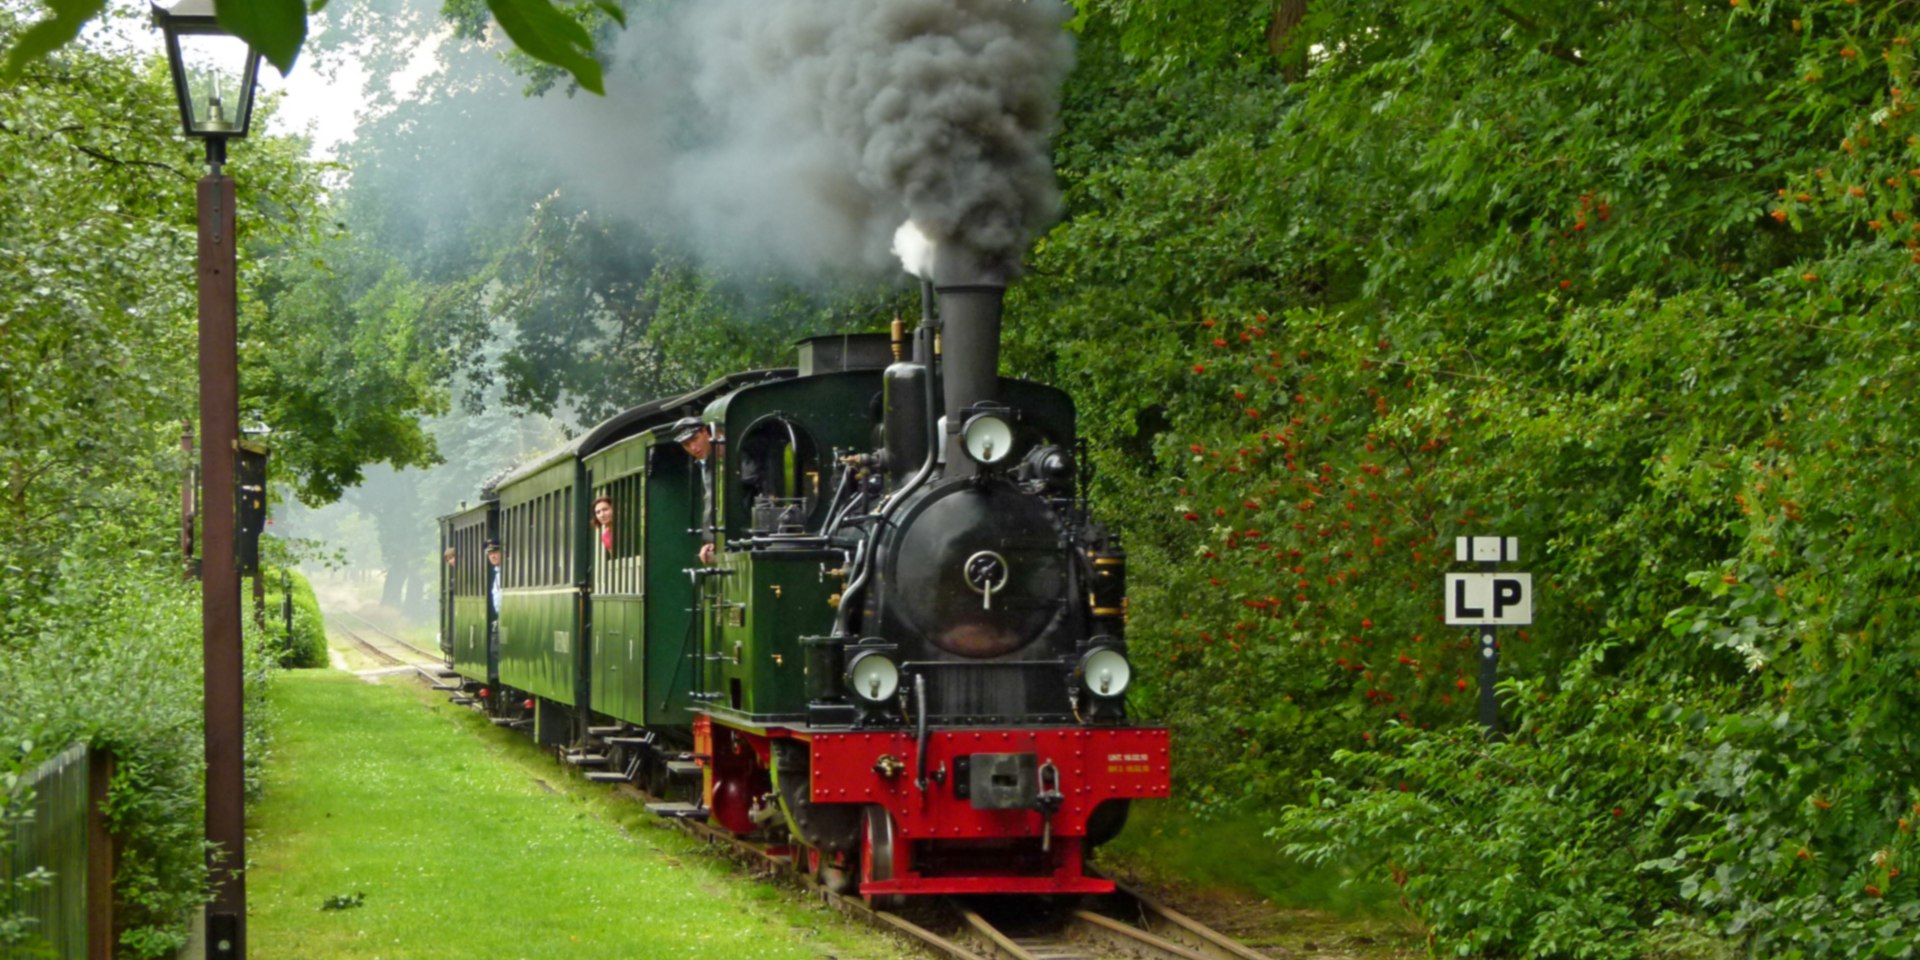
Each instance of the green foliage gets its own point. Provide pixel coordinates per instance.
(46, 36)
(112, 658)
(97, 301)
(343, 364)
(549, 35)
(20, 932)
(99, 641)
(1632, 283)
(308, 645)
(278, 29)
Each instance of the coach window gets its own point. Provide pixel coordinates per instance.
(520, 551)
(543, 534)
(536, 540)
(516, 559)
(617, 566)
(549, 546)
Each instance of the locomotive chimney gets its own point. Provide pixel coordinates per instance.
(970, 357)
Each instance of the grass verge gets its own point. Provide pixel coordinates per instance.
(434, 835)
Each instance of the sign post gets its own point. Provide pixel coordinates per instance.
(1490, 600)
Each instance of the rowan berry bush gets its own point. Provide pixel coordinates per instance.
(1633, 283)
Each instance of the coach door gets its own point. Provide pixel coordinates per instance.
(672, 547)
(618, 663)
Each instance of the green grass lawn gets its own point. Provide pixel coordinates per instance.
(463, 841)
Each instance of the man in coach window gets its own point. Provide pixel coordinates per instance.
(697, 440)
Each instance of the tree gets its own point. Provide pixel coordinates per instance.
(560, 36)
(96, 368)
(1626, 281)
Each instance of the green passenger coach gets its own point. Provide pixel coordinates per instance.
(466, 613)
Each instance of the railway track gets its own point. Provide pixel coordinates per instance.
(1124, 924)
(398, 655)
(391, 640)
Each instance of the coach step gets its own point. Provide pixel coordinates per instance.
(587, 759)
(462, 701)
(520, 724)
(606, 776)
(683, 770)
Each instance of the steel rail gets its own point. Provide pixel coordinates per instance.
(1158, 918)
(1153, 929)
(435, 655)
(1126, 938)
(396, 664)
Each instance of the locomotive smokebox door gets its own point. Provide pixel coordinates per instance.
(250, 503)
(998, 781)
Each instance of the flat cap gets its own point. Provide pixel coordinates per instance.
(684, 428)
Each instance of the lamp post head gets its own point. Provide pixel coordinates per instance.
(213, 72)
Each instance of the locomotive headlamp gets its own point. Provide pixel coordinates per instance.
(873, 676)
(988, 438)
(1104, 672)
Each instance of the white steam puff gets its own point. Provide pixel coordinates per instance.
(800, 133)
(914, 250)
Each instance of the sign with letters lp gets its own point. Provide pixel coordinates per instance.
(1490, 599)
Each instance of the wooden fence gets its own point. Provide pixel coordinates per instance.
(65, 833)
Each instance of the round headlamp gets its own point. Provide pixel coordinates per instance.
(873, 676)
(988, 438)
(1104, 672)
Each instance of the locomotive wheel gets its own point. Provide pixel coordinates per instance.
(877, 857)
(832, 872)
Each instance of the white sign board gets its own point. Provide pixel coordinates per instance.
(1494, 549)
(1490, 599)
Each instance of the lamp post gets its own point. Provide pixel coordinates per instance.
(213, 77)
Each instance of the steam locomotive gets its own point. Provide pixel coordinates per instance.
(907, 660)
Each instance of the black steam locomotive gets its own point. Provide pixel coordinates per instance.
(907, 653)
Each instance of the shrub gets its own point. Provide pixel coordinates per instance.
(112, 656)
(308, 645)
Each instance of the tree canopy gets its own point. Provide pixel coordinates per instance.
(1630, 282)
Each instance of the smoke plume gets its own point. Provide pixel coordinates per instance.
(799, 134)
(934, 111)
